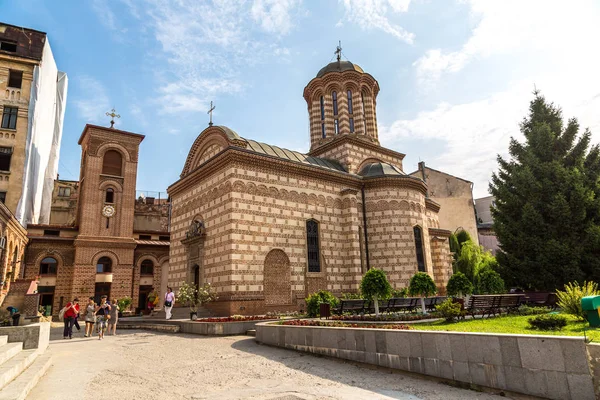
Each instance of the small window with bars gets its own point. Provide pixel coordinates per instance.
(15, 79)
(64, 191)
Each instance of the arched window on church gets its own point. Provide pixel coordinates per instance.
(109, 196)
(48, 266)
(104, 265)
(419, 248)
(312, 246)
(112, 163)
(336, 127)
(335, 105)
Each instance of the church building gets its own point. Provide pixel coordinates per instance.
(266, 226)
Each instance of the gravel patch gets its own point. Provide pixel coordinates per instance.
(147, 365)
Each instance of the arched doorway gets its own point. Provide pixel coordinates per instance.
(277, 279)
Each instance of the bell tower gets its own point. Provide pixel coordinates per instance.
(341, 100)
(108, 180)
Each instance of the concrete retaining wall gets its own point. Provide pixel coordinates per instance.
(216, 328)
(554, 367)
(34, 336)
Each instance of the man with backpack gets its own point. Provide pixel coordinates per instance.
(71, 311)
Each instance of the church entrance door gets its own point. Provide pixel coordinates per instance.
(101, 290)
(143, 297)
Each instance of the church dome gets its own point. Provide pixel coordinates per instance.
(380, 169)
(339, 66)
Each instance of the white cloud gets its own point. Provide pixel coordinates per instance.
(543, 47)
(509, 27)
(274, 15)
(92, 102)
(206, 46)
(373, 14)
(106, 16)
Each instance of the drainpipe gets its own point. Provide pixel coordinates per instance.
(364, 210)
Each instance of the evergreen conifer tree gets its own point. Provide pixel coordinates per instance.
(547, 203)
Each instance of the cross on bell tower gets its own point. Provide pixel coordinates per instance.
(112, 116)
(338, 51)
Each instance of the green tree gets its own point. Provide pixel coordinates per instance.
(459, 285)
(489, 282)
(423, 286)
(375, 286)
(547, 203)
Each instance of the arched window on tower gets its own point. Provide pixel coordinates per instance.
(419, 248)
(147, 268)
(323, 117)
(112, 163)
(312, 246)
(109, 196)
(335, 104)
(364, 110)
(48, 266)
(104, 265)
(350, 111)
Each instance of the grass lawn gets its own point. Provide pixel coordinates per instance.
(509, 324)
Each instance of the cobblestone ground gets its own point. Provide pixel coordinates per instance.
(145, 365)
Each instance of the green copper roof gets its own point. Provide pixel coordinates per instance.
(285, 154)
(380, 169)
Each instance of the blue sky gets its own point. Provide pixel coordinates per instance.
(456, 76)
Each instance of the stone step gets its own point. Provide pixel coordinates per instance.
(251, 332)
(3, 340)
(9, 350)
(22, 385)
(149, 327)
(16, 365)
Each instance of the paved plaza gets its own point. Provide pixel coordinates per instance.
(147, 365)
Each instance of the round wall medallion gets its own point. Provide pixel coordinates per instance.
(108, 211)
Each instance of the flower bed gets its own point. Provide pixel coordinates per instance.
(385, 317)
(235, 318)
(337, 324)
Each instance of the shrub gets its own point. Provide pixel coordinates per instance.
(400, 293)
(449, 310)
(570, 300)
(374, 285)
(490, 282)
(188, 295)
(124, 303)
(548, 322)
(528, 310)
(313, 301)
(459, 285)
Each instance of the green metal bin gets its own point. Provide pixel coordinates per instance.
(591, 308)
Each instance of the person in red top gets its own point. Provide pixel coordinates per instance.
(71, 311)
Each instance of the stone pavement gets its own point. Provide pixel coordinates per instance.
(148, 365)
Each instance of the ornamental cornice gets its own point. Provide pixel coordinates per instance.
(432, 205)
(403, 181)
(344, 79)
(439, 232)
(358, 140)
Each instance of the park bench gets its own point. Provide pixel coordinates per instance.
(354, 306)
(432, 302)
(540, 299)
(403, 304)
(493, 304)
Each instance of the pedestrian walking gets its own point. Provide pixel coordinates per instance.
(169, 302)
(102, 316)
(152, 297)
(90, 317)
(114, 317)
(71, 311)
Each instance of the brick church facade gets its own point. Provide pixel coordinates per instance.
(101, 239)
(267, 226)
